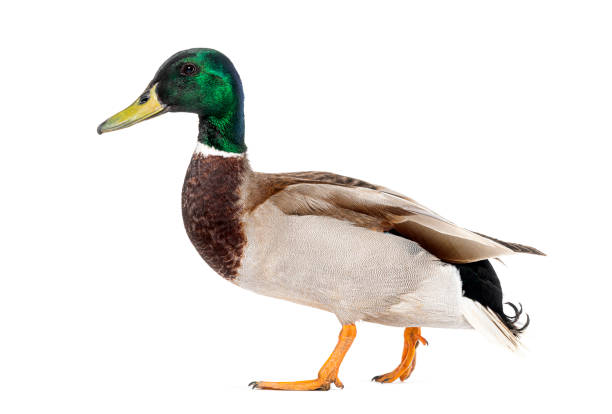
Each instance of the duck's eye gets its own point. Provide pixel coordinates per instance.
(189, 69)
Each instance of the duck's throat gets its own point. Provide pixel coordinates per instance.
(212, 210)
(225, 133)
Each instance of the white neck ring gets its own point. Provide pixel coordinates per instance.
(207, 150)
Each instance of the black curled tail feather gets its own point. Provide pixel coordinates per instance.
(481, 284)
(511, 321)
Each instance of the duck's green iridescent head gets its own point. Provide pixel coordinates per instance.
(202, 81)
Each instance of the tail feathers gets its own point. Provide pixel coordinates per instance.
(498, 328)
(510, 321)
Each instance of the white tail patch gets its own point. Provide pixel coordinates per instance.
(485, 321)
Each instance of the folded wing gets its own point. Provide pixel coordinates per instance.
(380, 209)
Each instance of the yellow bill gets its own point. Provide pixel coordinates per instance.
(145, 107)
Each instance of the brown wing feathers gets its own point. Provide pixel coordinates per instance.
(380, 209)
(515, 247)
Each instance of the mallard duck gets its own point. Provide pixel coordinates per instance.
(358, 250)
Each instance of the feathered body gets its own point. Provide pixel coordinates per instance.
(297, 237)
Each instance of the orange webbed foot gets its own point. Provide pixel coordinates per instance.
(327, 375)
(412, 337)
(319, 384)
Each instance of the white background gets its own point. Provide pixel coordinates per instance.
(494, 114)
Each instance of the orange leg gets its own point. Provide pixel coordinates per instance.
(328, 373)
(412, 337)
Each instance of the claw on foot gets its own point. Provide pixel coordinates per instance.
(379, 378)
